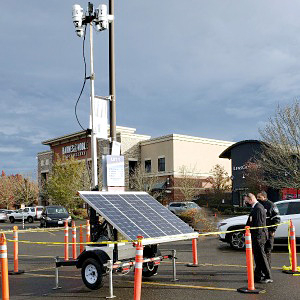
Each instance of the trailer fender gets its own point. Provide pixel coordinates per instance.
(99, 255)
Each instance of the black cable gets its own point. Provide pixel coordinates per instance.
(82, 89)
(83, 85)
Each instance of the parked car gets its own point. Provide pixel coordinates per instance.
(3, 215)
(180, 207)
(54, 215)
(288, 210)
(28, 214)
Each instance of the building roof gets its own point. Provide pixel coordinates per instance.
(227, 152)
(82, 133)
(186, 138)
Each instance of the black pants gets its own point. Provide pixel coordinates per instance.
(262, 268)
(269, 247)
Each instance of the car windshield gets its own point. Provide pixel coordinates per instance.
(56, 210)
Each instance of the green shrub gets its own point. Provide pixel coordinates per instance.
(228, 211)
(79, 214)
(199, 219)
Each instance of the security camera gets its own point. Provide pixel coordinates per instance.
(77, 16)
(102, 18)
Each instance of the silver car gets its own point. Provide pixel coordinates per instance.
(3, 215)
(180, 207)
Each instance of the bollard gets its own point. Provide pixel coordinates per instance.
(66, 240)
(74, 252)
(16, 270)
(195, 255)
(111, 291)
(4, 267)
(138, 269)
(88, 231)
(174, 265)
(81, 239)
(293, 249)
(249, 260)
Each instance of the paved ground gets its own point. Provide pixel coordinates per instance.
(220, 273)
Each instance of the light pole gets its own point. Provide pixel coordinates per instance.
(101, 20)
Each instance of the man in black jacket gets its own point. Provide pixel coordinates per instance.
(272, 219)
(257, 218)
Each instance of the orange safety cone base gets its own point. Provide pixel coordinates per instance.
(247, 291)
(290, 272)
(192, 265)
(16, 273)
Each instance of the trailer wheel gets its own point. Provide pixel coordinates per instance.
(91, 273)
(149, 269)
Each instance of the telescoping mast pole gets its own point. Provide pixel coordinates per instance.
(92, 94)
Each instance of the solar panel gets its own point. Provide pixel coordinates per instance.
(137, 213)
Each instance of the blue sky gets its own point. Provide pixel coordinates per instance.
(214, 69)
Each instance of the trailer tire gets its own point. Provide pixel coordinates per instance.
(91, 273)
(149, 269)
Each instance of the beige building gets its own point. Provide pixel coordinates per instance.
(162, 157)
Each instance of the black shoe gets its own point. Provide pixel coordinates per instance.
(266, 280)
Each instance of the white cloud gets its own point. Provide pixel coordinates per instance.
(10, 149)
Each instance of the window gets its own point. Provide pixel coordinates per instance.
(47, 162)
(161, 164)
(42, 162)
(148, 166)
(177, 204)
(294, 208)
(282, 207)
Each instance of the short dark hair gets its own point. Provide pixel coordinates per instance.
(264, 194)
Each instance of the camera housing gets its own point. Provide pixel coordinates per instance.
(77, 16)
(102, 18)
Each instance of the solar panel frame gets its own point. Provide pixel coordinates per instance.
(142, 197)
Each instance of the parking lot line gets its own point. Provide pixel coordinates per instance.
(216, 265)
(188, 286)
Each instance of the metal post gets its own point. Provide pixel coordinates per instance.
(111, 291)
(174, 265)
(23, 221)
(56, 276)
(93, 136)
(112, 79)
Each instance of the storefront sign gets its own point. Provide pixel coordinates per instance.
(239, 168)
(76, 150)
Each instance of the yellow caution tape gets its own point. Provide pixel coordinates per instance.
(114, 242)
(70, 243)
(39, 229)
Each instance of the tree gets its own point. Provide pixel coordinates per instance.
(255, 177)
(6, 190)
(142, 181)
(220, 183)
(281, 149)
(26, 190)
(188, 182)
(68, 176)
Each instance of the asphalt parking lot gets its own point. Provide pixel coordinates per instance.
(221, 271)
